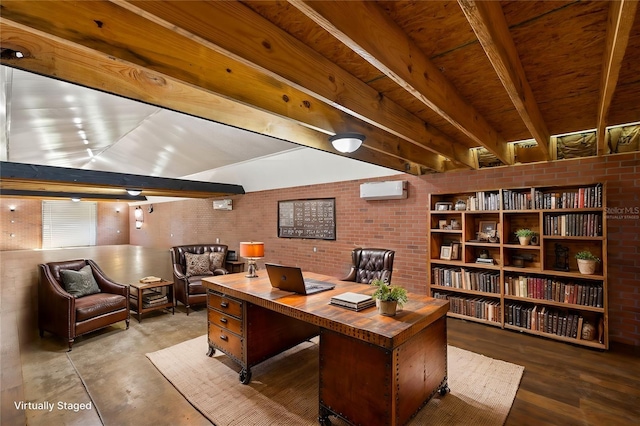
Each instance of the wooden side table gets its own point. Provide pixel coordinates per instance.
(137, 292)
(234, 266)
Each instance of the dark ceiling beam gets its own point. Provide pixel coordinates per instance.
(490, 26)
(620, 22)
(32, 177)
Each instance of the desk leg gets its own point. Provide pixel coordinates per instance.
(139, 304)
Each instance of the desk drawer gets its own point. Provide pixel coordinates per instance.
(225, 304)
(225, 321)
(226, 341)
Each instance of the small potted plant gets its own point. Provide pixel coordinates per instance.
(587, 262)
(524, 236)
(389, 298)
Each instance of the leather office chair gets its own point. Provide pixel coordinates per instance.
(189, 289)
(65, 315)
(369, 264)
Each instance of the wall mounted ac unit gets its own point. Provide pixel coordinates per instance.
(226, 204)
(390, 190)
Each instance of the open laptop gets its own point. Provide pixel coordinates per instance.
(289, 278)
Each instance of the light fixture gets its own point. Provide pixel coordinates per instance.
(252, 251)
(134, 192)
(12, 208)
(139, 215)
(347, 142)
(75, 199)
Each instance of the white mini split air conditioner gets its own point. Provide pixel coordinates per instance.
(390, 190)
(226, 204)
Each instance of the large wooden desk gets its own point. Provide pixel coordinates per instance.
(373, 369)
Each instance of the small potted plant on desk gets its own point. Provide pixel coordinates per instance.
(524, 236)
(587, 262)
(389, 297)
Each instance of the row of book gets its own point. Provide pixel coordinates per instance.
(477, 307)
(574, 225)
(513, 200)
(484, 201)
(466, 279)
(590, 294)
(586, 197)
(153, 298)
(545, 320)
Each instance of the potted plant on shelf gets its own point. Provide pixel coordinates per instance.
(587, 262)
(389, 297)
(524, 236)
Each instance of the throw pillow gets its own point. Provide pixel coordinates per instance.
(79, 283)
(217, 259)
(197, 264)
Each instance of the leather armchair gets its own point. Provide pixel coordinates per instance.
(189, 290)
(369, 264)
(64, 315)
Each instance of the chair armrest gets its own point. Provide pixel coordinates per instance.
(220, 271)
(178, 273)
(351, 276)
(56, 307)
(106, 284)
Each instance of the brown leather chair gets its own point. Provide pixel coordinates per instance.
(189, 289)
(369, 264)
(64, 315)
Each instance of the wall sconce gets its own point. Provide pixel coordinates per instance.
(12, 208)
(117, 209)
(252, 251)
(347, 142)
(139, 215)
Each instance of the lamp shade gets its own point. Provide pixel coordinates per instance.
(347, 142)
(251, 249)
(139, 214)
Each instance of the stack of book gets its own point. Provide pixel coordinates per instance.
(154, 298)
(354, 301)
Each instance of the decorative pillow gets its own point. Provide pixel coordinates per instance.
(79, 283)
(197, 264)
(217, 259)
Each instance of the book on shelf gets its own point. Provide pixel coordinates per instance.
(150, 279)
(485, 261)
(353, 301)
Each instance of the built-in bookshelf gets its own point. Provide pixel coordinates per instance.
(477, 263)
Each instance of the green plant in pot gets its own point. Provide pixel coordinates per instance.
(587, 262)
(389, 297)
(524, 236)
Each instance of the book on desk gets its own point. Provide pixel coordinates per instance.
(354, 301)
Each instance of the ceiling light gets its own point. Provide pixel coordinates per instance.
(134, 192)
(90, 152)
(75, 199)
(347, 142)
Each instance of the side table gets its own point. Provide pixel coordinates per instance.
(234, 266)
(137, 291)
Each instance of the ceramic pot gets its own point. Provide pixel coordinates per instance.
(524, 241)
(388, 308)
(586, 267)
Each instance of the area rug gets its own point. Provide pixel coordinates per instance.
(284, 389)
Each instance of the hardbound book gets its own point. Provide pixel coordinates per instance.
(354, 301)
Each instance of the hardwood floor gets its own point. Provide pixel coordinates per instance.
(562, 384)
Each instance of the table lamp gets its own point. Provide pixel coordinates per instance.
(252, 251)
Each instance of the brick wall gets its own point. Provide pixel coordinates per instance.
(25, 223)
(401, 224)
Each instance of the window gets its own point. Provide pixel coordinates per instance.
(68, 224)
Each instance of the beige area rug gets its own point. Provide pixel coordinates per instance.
(284, 389)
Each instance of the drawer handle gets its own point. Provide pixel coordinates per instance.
(223, 320)
(223, 337)
(224, 304)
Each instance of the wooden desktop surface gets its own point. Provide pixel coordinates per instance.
(367, 325)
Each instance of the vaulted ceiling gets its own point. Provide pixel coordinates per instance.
(425, 81)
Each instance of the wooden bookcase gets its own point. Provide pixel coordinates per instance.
(476, 262)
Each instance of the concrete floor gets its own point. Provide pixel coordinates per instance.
(109, 369)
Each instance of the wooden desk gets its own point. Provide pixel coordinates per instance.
(373, 369)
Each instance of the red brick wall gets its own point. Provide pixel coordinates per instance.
(401, 224)
(25, 223)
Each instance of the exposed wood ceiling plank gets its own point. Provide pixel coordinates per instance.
(240, 33)
(369, 32)
(619, 25)
(52, 56)
(488, 22)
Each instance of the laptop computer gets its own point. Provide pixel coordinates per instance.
(289, 278)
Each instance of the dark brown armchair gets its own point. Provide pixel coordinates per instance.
(188, 286)
(369, 264)
(65, 315)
